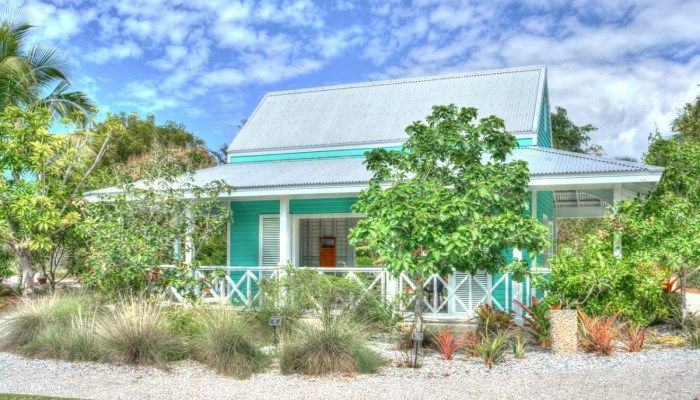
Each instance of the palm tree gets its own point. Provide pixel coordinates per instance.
(35, 76)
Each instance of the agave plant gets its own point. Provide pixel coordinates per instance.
(446, 343)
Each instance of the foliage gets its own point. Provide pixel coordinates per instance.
(35, 76)
(40, 191)
(137, 332)
(572, 232)
(434, 206)
(634, 341)
(34, 315)
(76, 342)
(226, 343)
(492, 348)
(571, 137)
(490, 320)
(519, 345)
(537, 321)
(404, 337)
(446, 343)
(601, 284)
(598, 334)
(336, 345)
(130, 239)
(469, 341)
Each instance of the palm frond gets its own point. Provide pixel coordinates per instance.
(75, 106)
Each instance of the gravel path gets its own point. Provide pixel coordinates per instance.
(652, 374)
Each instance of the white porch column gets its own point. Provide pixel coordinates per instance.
(517, 287)
(533, 211)
(617, 241)
(285, 228)
(189, 242)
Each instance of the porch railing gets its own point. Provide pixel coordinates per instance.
(454, 296)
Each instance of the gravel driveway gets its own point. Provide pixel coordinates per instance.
(652, 374)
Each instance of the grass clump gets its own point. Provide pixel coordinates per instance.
(492, 348)
(333, 346)
(32, 317)
(225, 342)
(138, 333)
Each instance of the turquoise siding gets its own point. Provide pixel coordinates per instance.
(322, 206)
(304, 155)
(245, 230)
(544, 131)
(545, 206)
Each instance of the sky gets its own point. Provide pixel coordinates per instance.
(626, 67)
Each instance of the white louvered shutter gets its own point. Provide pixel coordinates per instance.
(270, 246)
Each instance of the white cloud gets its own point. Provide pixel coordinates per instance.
(117, 51)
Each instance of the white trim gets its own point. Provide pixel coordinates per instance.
(593, 181)
(581, 212)
(284, 239)
(315, 149)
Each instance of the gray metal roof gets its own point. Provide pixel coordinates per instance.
(379, 112)
(351, 170)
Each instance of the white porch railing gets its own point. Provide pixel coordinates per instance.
(455, 296)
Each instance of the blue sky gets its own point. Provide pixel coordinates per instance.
(624, 66)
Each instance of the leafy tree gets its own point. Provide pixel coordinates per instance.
(35, 76)
(571, 137)
(437, 206)
(41, 190)
(140, 137)
(131, 231)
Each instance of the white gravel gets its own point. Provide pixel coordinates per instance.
(651, 374)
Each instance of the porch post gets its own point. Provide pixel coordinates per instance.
(516, 287)
(285, 226)
(189, 242)
(617, 241)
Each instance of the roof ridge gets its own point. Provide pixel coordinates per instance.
(397, 81)
(593, 157)
(286, 161)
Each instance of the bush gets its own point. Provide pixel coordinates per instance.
(469, 340)
(78, 342)
(490, 320)
(226, 343)
(404, 337)
(634, 341)
(598, 333)
(137, 332)
(491, 348)
(537, 321)
(601, 284)
(335, 345)
(32, 316)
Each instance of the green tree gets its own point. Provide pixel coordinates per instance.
(571, 137)
(436, 206)
(35, 76)
(140, 137)
(131, 231)
(41, 189)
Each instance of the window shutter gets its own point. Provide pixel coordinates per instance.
(270, 243)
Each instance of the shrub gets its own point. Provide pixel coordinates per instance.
(335, 345)
(137, 332)
(33, 316)
(226, 343)
(537, 321)
(78, 342)
(491, 348)
(468, 341)
(598, 333)
(601, 284)
(693, 338)
(634, 341)
(446, 343)
(490, 320)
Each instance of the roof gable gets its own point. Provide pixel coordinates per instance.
(378, 112)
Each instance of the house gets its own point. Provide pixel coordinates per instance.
(297, 167)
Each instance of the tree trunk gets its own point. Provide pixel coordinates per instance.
(27, 270)
(418, 320)
(681, 280)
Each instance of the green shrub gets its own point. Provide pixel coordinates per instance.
(78, 342)
(335, 345)
(32, 316)
(227, 343)
(137, 332)
(491, 348)
(490, 320)
(601, 284)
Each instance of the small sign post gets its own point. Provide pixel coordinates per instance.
(417, 344)
(275, 322)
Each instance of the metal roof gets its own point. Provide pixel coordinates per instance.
(379, 112)
(351, 170)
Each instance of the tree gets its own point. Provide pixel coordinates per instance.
(436, 207)
(132, 231)
(571, 137)
(41, 190)
(35, 76)
(141, 136)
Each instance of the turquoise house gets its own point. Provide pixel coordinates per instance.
(297, 166)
